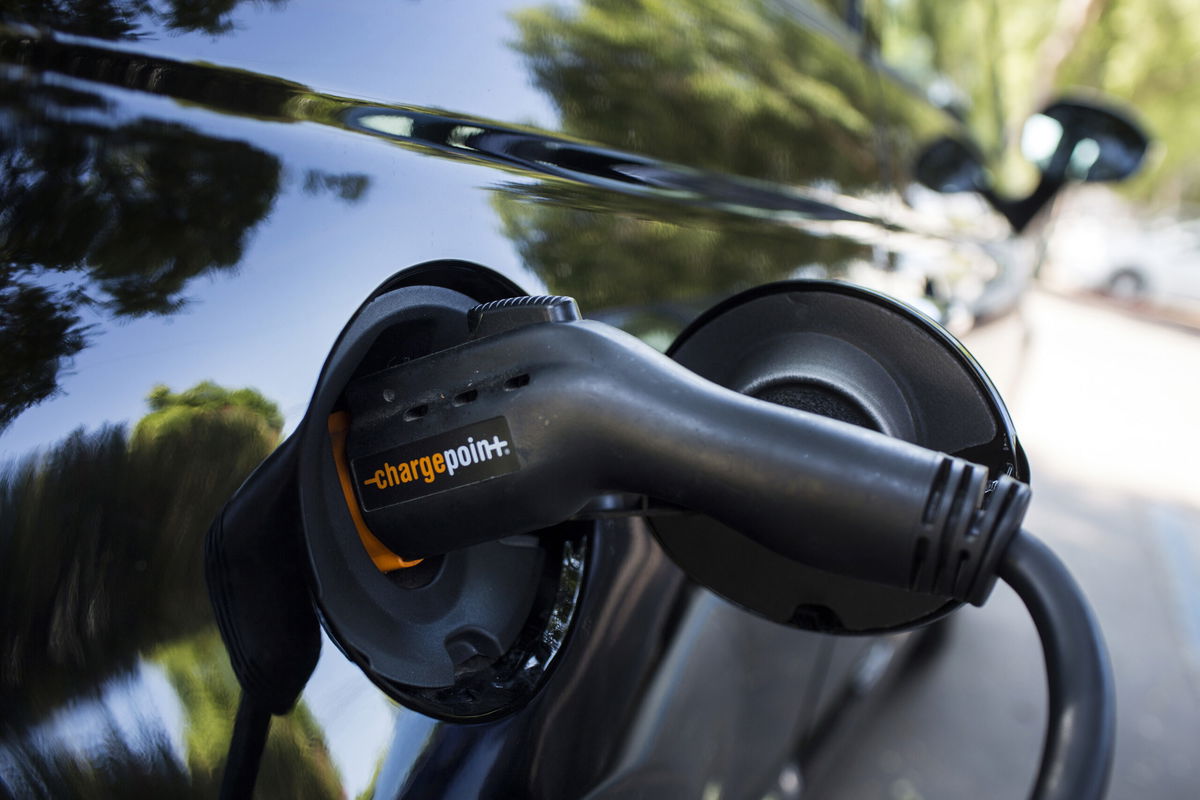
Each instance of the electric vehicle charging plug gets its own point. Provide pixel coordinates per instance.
(523, 427)
(540, 417)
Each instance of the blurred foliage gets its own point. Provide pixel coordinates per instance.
(149, 770)
(98, 220)
(127, 19)
(172, 412)
(40, 332)
(102, 221)
(143, 207)
(349, 187)
(604, 261)
(99, 528)
(758, 88)
(295, 764)
(101, 566)
(755, 89)
(1011, 59)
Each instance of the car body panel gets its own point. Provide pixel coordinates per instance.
(208, 192)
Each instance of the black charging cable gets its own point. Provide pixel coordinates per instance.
(255, 569)
(250, 729)
(1078, 751)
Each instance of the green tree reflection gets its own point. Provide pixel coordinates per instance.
(759, 89)
(296, 762)
(102, 221)
(173, 413)
(101, 542)
(101, 567)
(752, 89)
(128, 19)
(105, 221)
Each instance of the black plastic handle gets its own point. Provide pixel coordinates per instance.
(589, 410)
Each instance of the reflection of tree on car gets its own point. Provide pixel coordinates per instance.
(739, 89)
(112, 221)
(89, 592)
(750, 89)
(123, 216)
(124, 19)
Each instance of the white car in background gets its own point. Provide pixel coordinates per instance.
(1150, 263)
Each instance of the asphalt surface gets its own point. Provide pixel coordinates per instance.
(1108, 407)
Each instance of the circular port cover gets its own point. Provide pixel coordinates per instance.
(847, 352)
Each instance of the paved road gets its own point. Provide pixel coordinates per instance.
(1108, 407)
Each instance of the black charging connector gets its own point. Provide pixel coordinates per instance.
(448, 451)
(535, 416)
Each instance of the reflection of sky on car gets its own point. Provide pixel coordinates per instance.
(279, 356)
(275, 353)
(136, 709)
(142, 710)
(278, 328)
(399, 38)
(356, 719)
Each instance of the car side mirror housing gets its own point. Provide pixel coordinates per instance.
(1083, 141)
(950, 166)
(1069, 140)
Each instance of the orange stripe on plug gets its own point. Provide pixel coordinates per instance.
(385, 560)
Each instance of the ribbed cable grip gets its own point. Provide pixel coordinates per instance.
(967, 526)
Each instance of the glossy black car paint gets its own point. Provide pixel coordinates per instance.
(208, 191)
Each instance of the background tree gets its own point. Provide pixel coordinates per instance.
(173, 413)
(1013, 58)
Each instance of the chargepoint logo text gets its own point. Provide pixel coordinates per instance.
(447, 462)
(456, 458)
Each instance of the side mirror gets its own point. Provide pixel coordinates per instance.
(1073, 140)
(1069, 140)
(949, 166)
